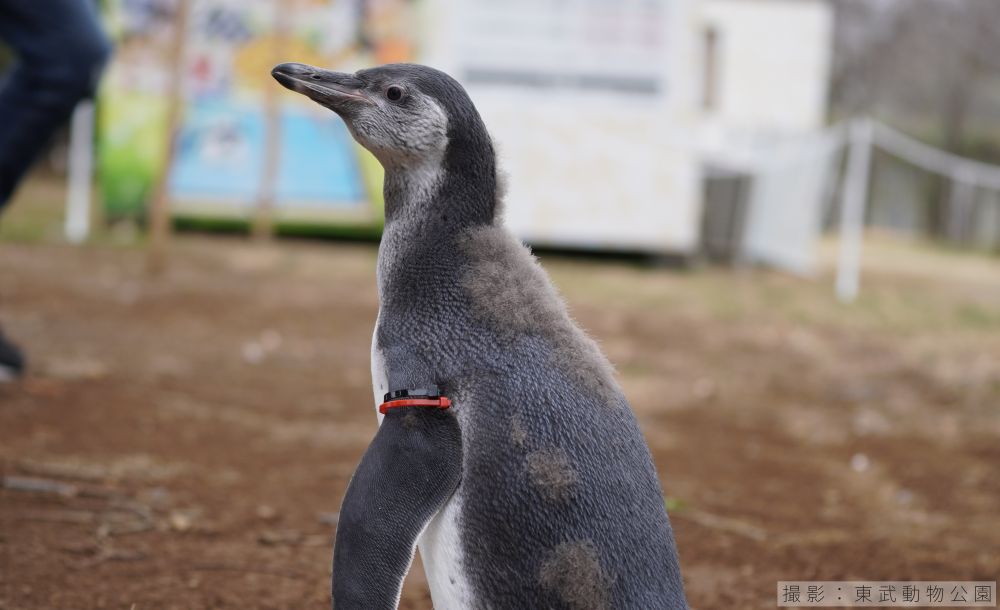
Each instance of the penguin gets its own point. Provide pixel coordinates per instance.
(506, 451)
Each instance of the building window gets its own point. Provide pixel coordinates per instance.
(709, 92)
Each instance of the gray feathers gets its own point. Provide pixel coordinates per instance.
(573, 571)
(552, 472)
(511, 291)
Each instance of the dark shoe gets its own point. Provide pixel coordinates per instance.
(11, 360)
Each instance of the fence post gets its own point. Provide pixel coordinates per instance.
(159, 212)
(961, 204)
(852, 210)
(81, 161)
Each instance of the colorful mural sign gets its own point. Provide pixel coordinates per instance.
(219, 164)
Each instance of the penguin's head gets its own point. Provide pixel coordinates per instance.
(403, 113)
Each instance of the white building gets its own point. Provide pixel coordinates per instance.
(766, 69)
(766, 158)
(609, 116)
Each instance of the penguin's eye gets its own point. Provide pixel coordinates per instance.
(394, 93)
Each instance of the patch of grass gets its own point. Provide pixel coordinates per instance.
(972, 316)
(674, 505)
(907, 289)
(36, 212)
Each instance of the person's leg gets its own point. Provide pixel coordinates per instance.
(11, 360)
(60, 50)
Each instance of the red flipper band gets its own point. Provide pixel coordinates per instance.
(441, 402)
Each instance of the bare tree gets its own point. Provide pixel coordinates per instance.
(923, 63)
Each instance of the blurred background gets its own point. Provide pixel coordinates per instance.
(780, 219)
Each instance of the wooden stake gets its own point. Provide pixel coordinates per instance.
(263, 225)
(159, 212)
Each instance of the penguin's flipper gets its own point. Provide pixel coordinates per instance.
(411, 468)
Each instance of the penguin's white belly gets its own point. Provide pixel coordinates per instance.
(380, 381)
(441, 551)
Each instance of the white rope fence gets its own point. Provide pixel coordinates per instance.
(966, 175)
(931, 159)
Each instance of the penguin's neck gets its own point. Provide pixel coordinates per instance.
(427, 207)
(409, 192)
(450, 191)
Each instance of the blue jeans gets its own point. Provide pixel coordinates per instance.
(60, 49)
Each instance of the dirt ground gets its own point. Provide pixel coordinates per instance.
(184, 442)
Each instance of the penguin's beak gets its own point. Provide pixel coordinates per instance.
(335, 90)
